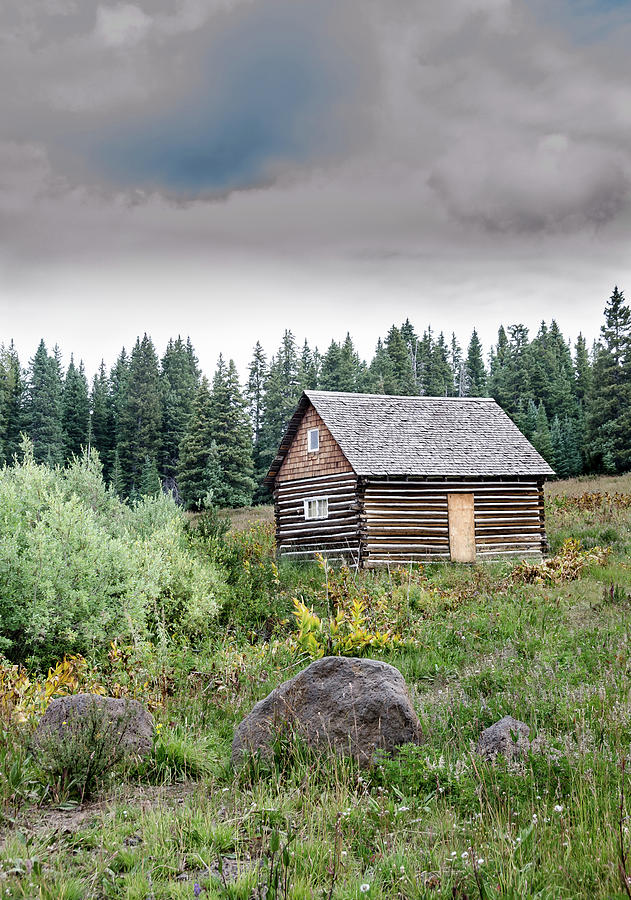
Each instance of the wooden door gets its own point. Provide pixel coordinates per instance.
(461, 527)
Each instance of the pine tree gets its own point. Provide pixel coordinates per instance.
(43, 406)
(381, 376)
(179, 379)
(475, 372)
(149, 484)
(609, 408)
(438, 377)
(403, 382)
(213, 478)
(117, 481)
(141, 415)
(330, 371)
(282, 392)
(582, 369)
(541, 438)
(11, 398)
(457, 366)
(192, 478)
(232, 432)
(559, 459)
(255, 388)
(75, 411)
(309, 368)
(119, 380)
(498, 365)
(572, 446)
(102, 432)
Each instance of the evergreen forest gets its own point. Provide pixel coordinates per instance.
(161, 424)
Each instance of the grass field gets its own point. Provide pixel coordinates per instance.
(478, 643)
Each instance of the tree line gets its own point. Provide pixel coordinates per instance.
(159, 423)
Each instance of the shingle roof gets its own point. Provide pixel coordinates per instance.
(440, 436)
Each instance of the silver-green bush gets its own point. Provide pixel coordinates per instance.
(78, 567)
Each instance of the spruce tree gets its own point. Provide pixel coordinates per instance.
(76, 411)
(438, 376)
(102, 432)
(254, 392)
(117, 481)
(149, 484)
(232, 432)
(11, 399)
(309, 368)
(282, 392)
(541, 438)
(192, 476)
(141, 414)
(403, 380)
(179, 380)
(609, 407)
(381, 376)
(330, 371)
(43, 406)
(582, 369)
(475, 372)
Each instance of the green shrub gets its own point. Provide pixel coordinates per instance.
(79, 568)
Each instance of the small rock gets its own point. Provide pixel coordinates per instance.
(509, 736)
(349, 705)
(128, 723)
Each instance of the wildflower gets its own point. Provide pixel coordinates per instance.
(534, 818)
(364, 888)
(481, 861)
(464, 855)
(558, 808)
(403, 808)
(454, 854)
(402, 870)
(197, 890)
(344, 853)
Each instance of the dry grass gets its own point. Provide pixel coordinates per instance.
(244, 518)
(574, 487)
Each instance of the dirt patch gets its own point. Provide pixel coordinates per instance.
(40, 820)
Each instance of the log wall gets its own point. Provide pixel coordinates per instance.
(336, 537)
(407, 520)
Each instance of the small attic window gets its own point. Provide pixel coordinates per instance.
(317, 508)
(313, 440)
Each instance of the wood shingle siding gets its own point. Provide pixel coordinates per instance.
(388, 469)
(300, 463)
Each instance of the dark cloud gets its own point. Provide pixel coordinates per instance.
(396, 139)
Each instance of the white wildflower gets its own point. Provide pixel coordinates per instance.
(364, 888)
(558, 808)
(481, 861)
(464, 855)
(454, 855)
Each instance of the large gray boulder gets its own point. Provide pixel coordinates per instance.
(351, 706)
(125, 724)
(508, 737)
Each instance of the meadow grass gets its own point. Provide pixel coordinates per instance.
(434, 822)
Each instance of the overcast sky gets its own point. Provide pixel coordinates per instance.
(229, 168)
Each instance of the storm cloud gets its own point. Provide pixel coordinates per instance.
(472, 138)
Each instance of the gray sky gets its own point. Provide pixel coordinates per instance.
(229, 168)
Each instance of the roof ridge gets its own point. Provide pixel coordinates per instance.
(413, 397)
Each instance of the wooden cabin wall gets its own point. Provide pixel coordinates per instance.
(336, 537)
(403, 520)
(299, 463)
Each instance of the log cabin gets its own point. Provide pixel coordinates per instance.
(376, 480)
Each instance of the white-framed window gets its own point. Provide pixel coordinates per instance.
(313, 440)
(317, 508)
